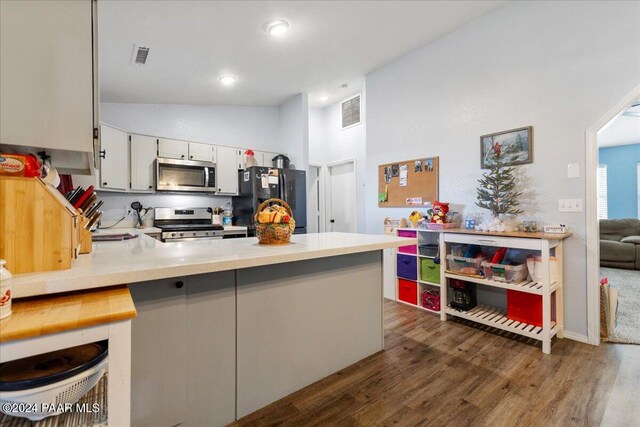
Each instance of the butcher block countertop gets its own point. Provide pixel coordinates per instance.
(144, 258)
(34, 317)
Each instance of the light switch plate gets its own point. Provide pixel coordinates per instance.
(570, 205)
(573, 170)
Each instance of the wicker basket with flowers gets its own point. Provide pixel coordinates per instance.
(274, 222)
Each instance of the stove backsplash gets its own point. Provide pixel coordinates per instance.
(116, 205)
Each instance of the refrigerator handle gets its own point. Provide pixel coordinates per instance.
(282, 192)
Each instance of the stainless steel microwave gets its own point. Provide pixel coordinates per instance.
(185, 175)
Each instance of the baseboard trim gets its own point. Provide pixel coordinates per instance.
(576, 337)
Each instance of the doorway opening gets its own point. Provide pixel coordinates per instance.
(341, 197)
(315, 200)
(609, 219)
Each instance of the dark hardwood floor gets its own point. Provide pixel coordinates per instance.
(458, 374)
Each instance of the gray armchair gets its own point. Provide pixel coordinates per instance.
(620, 243)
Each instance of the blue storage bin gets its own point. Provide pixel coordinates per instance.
(408, 267)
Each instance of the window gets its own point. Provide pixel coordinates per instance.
(351, 112)
(602, 192)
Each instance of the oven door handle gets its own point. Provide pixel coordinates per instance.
(191, 239)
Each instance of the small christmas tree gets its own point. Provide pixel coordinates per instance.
(497, 187)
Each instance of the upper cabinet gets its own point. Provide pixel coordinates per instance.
(184, 150)
(143, 151)
(47, 69)
(114, 158)
(227, 171)
(265, 158)
(173, 149)
(202, 152)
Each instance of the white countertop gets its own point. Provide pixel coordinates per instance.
(131, 230)
(144, 258)
(154, 230)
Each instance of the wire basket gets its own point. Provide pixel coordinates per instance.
(274, 233)
(54, 395)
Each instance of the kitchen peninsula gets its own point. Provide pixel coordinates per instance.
(226, 327)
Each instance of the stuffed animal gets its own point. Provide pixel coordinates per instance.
(440, 210)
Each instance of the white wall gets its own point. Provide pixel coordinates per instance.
(317, 135)
(244, 127)
(294, 130)
(329, 143)
(558, 66)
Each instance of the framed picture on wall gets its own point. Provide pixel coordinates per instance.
(519, 143)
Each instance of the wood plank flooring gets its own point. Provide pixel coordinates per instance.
(455, 373)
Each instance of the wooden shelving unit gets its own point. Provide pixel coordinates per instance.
(420, 284)
(544, 245)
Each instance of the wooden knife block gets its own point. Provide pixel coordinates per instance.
(84, 235)
(38, 226)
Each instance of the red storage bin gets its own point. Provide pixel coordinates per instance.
(527, 308)
(407, 233)
(409, 249)
(408, 291)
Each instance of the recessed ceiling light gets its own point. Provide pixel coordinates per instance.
(323, 98)
(277, 28)
(227, 79)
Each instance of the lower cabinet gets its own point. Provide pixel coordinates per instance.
(179, 374)
(159, 353)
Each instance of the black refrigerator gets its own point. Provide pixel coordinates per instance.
(257, 184)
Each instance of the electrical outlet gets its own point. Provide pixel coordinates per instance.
(570, 205)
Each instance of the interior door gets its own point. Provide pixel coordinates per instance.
(143, 155)
(114, 162)
(342, 198)
(313, 200)
(173, 148)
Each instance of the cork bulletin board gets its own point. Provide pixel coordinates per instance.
(408, 183)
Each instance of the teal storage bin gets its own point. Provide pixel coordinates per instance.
(429, 270)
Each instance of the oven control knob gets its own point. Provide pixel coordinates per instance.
(181, 234)
(206, 233)
(194, 233)
(173, 234)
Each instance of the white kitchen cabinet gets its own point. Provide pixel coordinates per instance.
(143, 155)
(264, 158)
(268, 158)
(240, 158)
(202, 152)
(173, 148)
(47, 69)
(114, 158)
(227, 170)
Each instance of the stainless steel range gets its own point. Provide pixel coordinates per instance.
(184, 224)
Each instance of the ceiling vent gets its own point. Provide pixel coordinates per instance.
(140, 54)
(351, 112)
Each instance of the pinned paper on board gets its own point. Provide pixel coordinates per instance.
(394, 170)
(414, 201)
(273, 176)
(404, 172)
(428, 165)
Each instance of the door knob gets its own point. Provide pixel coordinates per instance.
(332, 221)
(179, 284)
(104, 183)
